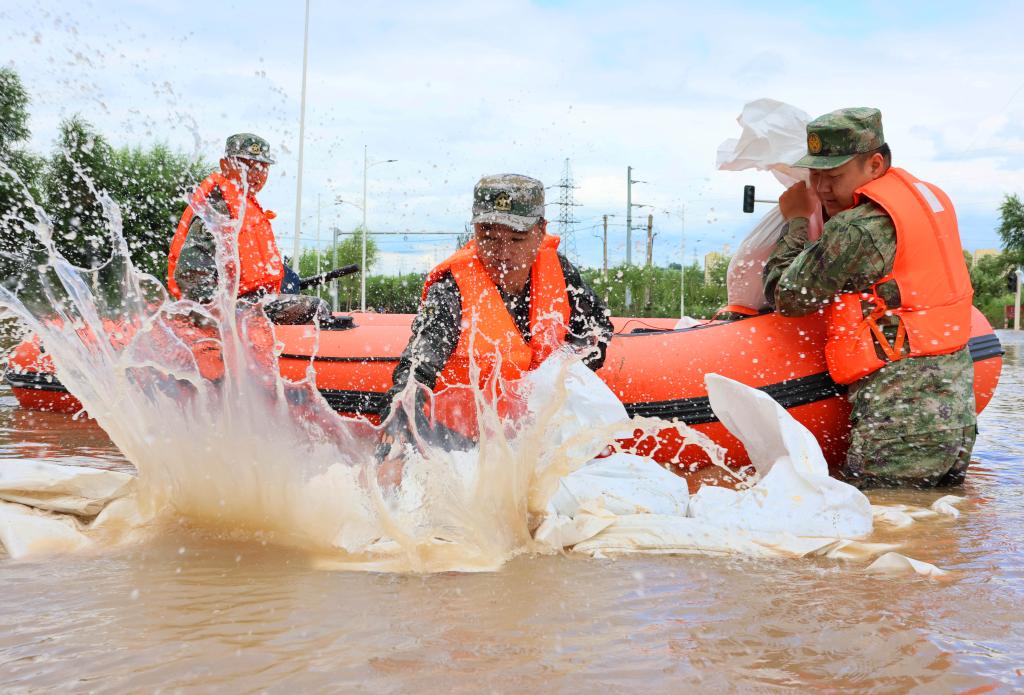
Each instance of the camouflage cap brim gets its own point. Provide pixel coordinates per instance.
(516, 222)
(811, 161)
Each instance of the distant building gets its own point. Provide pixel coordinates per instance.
(981, 253)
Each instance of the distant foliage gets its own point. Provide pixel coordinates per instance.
(1011, 228)
(20, 175)
(991, 296)
(347, 252)
(655, 291)
(150, 186)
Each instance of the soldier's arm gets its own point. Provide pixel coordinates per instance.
(196, 272)
(850, 256)
(435, 333)
(792, 243)
(589, 321)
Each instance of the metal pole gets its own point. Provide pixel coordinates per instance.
(605, 266)
(334, 282)
(317, 242)
(682, 261)
(362, 265)
(1016, 302)
(650, 240)
(629, 215)
(302, 135)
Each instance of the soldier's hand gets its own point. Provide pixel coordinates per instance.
(798, 201)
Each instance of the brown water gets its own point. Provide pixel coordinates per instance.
(205, 614)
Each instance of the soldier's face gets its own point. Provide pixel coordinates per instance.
(255, 173)
(835, 187)
(508, 254)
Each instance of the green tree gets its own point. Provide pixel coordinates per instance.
(20, 176)
(348, 251)
(81, 167)
(151, 188)
(1011, 227)
(988, 277)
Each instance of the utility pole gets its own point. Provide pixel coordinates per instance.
(629, 218)
(605, 239)
(334, 282)
(566, 215)
(1016, 302)
(316, 242)
(650, 240)
(302, 137)
(682, 260)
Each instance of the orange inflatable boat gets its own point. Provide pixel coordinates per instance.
(654, 369)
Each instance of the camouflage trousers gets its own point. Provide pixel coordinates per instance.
(931, 459)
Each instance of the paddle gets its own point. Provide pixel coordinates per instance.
(324, 278)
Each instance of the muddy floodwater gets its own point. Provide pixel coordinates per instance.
(211, 615)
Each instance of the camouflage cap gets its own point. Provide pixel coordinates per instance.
(509, 199)
(837, 137)
(248, 146)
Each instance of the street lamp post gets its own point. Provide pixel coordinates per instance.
(362, 266)
(302, 138)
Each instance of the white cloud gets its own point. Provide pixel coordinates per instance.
(456, 90)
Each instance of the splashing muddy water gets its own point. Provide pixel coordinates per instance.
(247, 482)
(192, 396)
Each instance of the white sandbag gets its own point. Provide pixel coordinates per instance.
(774, 136)
(894, 564)
(621, 484)
(557, 532)
(27, 532)
(68, 489)
(946, 505)
(664, 534)
(795, 493)
(744, 276)
(588, 405)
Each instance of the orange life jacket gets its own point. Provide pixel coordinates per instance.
(929, 270)
(260, 263)
(489, 339)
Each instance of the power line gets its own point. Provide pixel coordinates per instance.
(566, 219)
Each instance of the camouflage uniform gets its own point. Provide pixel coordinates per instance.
(913, 421)
(196, 272)
(438, 324)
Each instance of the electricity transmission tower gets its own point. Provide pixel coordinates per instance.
(566, 215)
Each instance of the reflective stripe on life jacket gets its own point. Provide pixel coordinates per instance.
(490, 340)
(929, 270)
(260, 263)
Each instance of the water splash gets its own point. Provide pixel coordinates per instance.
(192, 396)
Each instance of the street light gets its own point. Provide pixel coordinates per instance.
(302, 140)
(362, 267)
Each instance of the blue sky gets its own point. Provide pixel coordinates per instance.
(456, 90)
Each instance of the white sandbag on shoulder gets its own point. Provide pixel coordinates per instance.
(795, 493)
(621, 484)
(28, 532)
(67, 489)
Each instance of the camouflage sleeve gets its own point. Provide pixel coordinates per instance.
(435, 333)
(856, 249)
(589, 322)
(196, 272)
(789, 246)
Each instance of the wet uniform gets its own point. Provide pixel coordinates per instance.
(913, 421)
(196, 274)
(436, 329)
